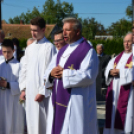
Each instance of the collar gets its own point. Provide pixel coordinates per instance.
(100, 54)
(41, 40)
(76, 42)
(7, 61)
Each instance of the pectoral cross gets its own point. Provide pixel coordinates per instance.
(129, 65)
(71, 67)
(115, 65)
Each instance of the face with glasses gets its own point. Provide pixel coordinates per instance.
(128, 43)
(59, 41)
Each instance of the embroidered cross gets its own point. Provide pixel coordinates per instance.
(129, 65)
(115, 65)
(71, 67)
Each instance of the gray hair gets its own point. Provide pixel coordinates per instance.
(77, 24)
(30, 39)
(100, 45)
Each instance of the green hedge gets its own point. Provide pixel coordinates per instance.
(22, 43)
(110, 46)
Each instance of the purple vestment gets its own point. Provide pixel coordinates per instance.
(61, 98)
(121, 109)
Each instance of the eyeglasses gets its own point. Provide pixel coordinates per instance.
(57, 41)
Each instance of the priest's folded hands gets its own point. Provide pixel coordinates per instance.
(114, 72)
(57, 72)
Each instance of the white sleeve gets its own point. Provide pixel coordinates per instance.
(47, 83)
(108, 68)
(50, 53)
(84, 76)
(22, 73)
(14, 85)
(126, 76)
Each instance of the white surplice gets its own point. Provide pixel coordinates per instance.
(125, 77)
(81, 115)
(11, 112)
(37, 57)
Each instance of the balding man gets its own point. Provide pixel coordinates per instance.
(30, 41)
(119, 98)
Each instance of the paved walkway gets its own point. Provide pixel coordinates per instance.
(101, 115)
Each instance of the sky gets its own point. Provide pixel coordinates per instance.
(104, 11)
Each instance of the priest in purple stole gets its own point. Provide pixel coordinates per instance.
(119, 98)
(72, 75)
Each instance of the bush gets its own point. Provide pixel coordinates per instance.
(22, 43)
(110, 46)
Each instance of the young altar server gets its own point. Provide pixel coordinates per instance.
(11, 112)
(119, 98)
(72, 73)
(37, 57)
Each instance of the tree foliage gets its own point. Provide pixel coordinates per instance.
(53, 12)
(129, 11)
(120, 28)
(91, 28)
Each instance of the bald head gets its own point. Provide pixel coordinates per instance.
(30, 41)
(127, 42)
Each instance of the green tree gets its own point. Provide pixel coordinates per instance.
(91, 28)
(10, 20)
(129, 11)
(53, 12)
(120, 28)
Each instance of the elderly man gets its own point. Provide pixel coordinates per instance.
(119, 99)
(100, 80)
(59, 40)
(72, 73)
(37, 57)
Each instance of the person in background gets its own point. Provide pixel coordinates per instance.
(17, 52)
(59, 41)
(119, 98)
(11, 112)
(30, 41)
(101, 86)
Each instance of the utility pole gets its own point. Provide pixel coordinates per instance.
(0, 14)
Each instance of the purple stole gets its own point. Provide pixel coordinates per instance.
(121, 110)
(61, 98)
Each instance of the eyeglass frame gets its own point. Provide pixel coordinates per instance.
(57, 41)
